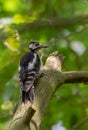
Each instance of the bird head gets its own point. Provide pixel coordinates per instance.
(35, 46)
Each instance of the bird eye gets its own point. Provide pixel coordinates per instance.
(37, 44)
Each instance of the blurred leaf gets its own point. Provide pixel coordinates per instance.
(12, 44)
(7, 105)
(37, 6)
(32, 20)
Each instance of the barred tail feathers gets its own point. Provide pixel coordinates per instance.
(29, 95)
(27, 86)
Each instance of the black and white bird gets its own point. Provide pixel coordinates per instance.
(29, 69)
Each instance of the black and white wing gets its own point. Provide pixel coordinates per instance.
(28, 71)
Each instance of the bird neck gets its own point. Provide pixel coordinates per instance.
(33, 51)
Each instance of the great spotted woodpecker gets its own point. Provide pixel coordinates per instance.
(29, 70)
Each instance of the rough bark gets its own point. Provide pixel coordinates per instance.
(29, 116)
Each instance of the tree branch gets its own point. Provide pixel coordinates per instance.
(83, 121)
(44, 23)
(22, 117)
(55, 22)
(45, 87)
(76, 77)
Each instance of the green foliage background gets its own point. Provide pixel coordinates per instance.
(61, 25)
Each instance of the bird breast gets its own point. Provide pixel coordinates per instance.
(32, 63)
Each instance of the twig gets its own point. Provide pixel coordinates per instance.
(80, 123)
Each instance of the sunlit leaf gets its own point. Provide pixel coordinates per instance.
(24, 20)
(10, 5)
(7, 105)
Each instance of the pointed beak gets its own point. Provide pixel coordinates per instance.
(42, 46)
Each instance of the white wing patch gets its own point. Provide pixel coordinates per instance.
(19, 68)
(31, 64)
